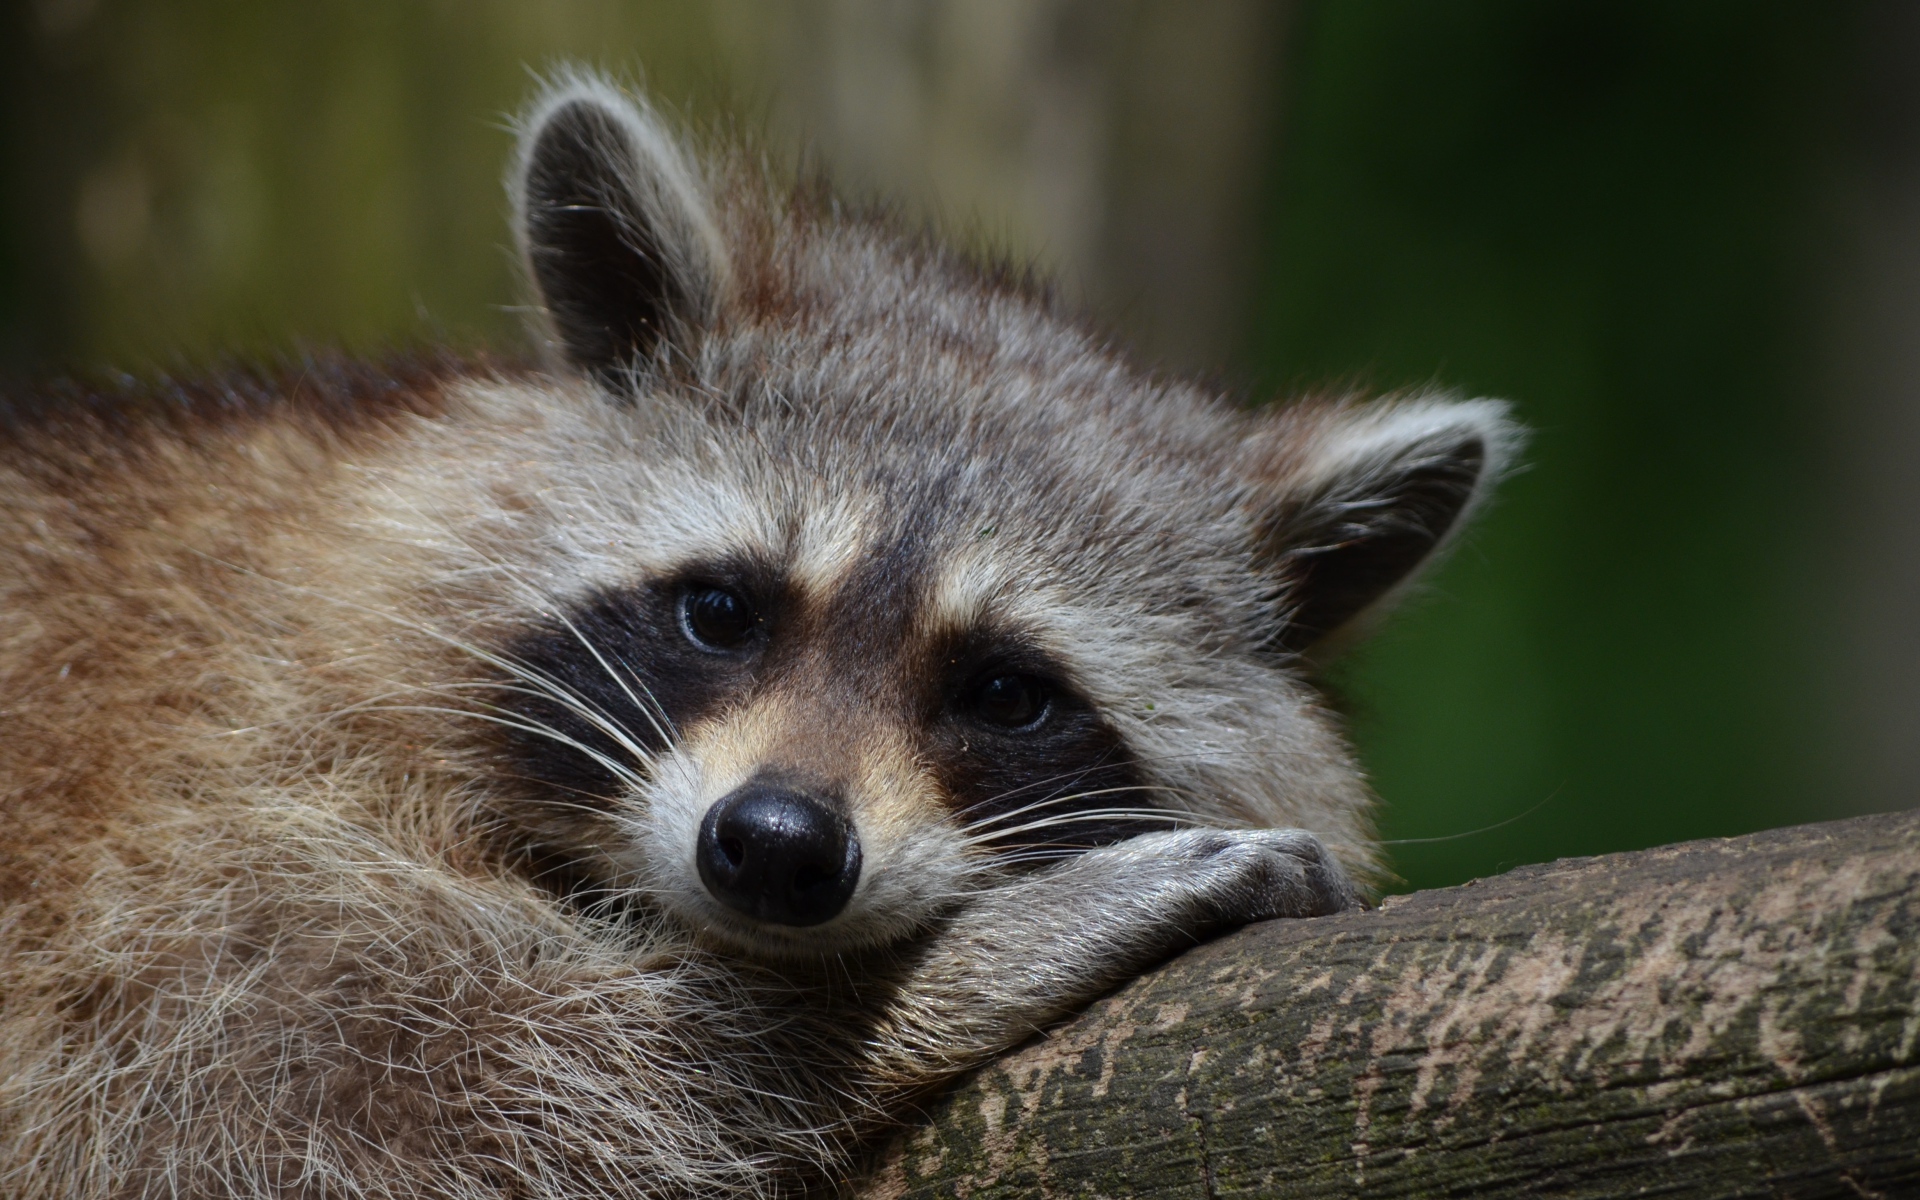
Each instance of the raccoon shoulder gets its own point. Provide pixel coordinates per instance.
(140, 517)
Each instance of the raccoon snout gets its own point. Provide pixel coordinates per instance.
(778, 855)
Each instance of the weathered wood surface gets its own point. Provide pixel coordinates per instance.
(1713, 1019)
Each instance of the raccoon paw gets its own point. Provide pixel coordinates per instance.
(1256, 874)
(1037, 947)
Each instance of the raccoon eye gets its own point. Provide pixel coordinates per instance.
(716, 619)
(1010, 701)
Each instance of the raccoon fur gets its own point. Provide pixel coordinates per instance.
(647, 774)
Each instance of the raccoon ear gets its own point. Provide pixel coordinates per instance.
(614, 230)
(1353, 499)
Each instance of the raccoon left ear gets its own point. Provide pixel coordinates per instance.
(1353, 499)
(614, 230)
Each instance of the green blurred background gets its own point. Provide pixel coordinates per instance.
(1684, 238)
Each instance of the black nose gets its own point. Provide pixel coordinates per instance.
(778, 855)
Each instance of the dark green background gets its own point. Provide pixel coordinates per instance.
(1609, 213)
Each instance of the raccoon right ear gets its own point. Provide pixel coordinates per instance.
(614, 230)
(1351, 500)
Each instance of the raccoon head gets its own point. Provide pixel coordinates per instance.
(879, 579)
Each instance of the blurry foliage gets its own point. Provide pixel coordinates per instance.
(1598, 209)
(1117, 144)
(1604, 211)
(210, 176)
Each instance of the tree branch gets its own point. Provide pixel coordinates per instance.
(1734, 1017)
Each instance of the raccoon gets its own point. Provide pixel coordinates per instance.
(649, 772)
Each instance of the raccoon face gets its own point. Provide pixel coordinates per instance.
(923, 585)
(791, 759)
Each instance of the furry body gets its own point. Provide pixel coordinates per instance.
(355, 759)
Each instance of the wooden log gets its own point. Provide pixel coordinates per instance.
(1724, 1018)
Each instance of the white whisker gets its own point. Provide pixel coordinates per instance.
(543, 602)
(989, 822)
(501, 661)
(1158, 816)
(614, 767)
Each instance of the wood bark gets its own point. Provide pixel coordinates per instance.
(1725, 1018)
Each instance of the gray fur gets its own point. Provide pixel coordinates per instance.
(277, 921)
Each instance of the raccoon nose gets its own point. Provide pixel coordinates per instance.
(778, 855)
